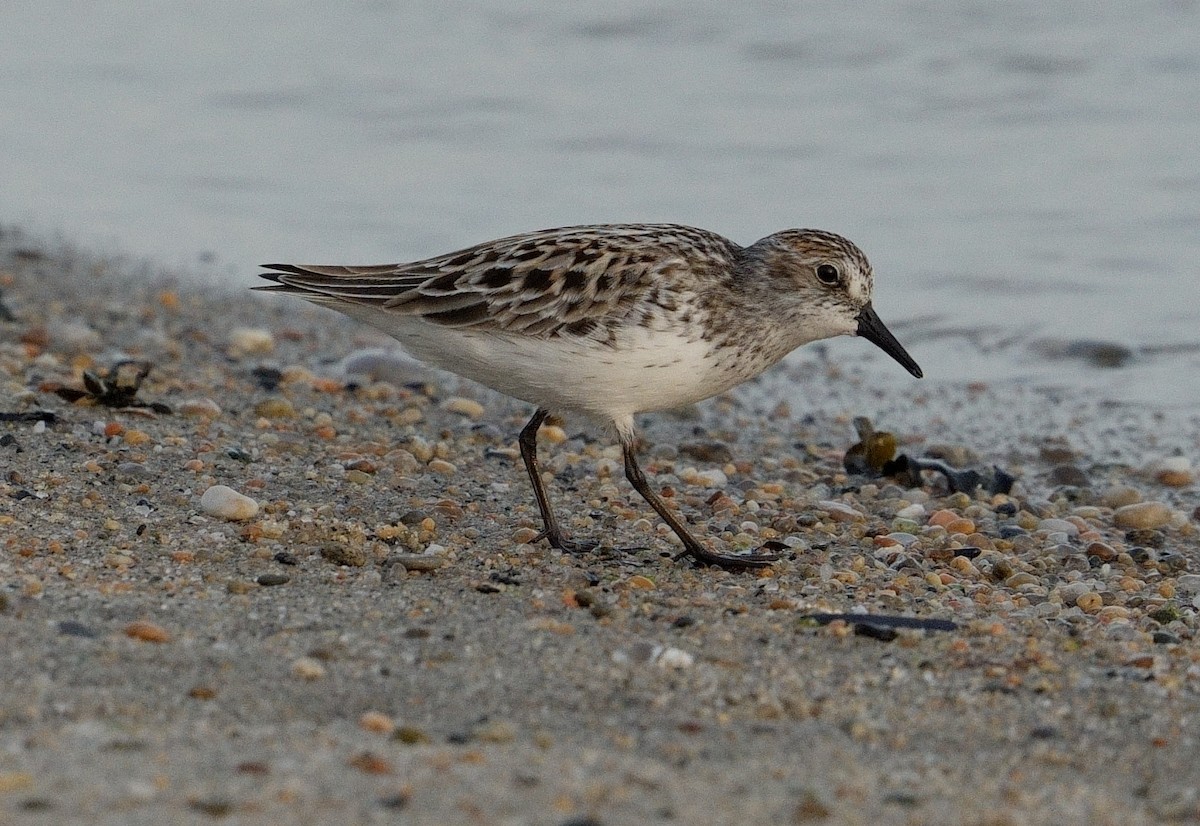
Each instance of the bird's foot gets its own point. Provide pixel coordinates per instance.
(560, 542)
(702, 556)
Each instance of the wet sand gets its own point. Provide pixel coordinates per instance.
(377, 642)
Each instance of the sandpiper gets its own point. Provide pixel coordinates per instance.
(610, 321)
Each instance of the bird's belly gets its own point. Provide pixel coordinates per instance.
(645, 370)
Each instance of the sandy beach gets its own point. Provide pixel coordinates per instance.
(285, 577)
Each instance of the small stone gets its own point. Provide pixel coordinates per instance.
(1068, 475)
(497, 731)
(1142, 516)
(961, 526)
(376, 722)
(641, 582)
(1174, 471)
(199, 408)
(269, 580)
(706, 478)
(465, 407)
(147, 631)
(525, 536)
(226, 503)
(411, 736)
(942, 517)
(841, 512)
(418, 562)
(371, 763)
(1090, 603)
(308, 668)
(1120, 496)
(443, 467)
(1188, 583)
(340, 554)
(912, 512)
(1059, 526)
(275, 407)
(1019, 579)
(75, 337)
(715, 452)
(676, 659)
(246, 340)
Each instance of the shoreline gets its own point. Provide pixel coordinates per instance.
(377, 641)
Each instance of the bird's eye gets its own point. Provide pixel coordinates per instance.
(828, 274)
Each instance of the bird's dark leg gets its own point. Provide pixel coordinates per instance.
(552, 533)
(691, 546)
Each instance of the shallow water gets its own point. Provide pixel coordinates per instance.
(1023, 175)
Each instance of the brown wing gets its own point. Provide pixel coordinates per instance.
(560, 281)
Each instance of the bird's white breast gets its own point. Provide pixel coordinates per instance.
(643, 370)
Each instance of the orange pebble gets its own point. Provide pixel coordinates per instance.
(942, 517)
(113, 429)
(147, 631)
(963, 526)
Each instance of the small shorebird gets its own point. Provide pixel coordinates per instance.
(610, 321)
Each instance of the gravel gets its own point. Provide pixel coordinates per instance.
(381, 632)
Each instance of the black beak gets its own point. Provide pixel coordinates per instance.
(874, 331)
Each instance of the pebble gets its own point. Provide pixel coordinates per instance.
(376, 722)
(495, 731)
(1059, 526)
(443, 467)
(268, 580)
(465, 407)
(250, 340)
(715, 452)
(1188, 583)
(913, 512)
(706, 478)
(1120, 496)
(675, 659)
(75, 337)
(147, 631)
(226, 503)
(1142, 516)
(199, 408)
(841, 512)
(418, 562)
(308, 668)
(1174, 471)
(1068, 475)
(275, 407)
(340, 554)
(392, 366)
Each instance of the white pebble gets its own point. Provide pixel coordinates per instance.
(1188, 583)
(245, 340)
(199, 408)
(708, 478)
(841, 512)
(676, 659)
(1058, 526)
(912, 512)
(226, 503)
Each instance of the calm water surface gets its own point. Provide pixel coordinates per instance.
(1024, 175)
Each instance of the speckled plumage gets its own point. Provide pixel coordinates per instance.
(611, 320)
